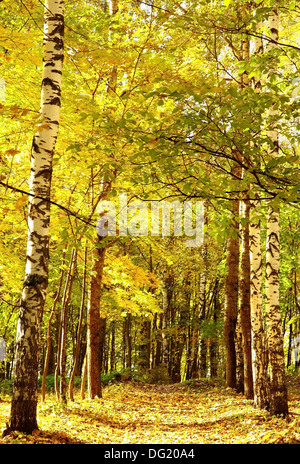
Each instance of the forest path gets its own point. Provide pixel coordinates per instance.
(197, 413)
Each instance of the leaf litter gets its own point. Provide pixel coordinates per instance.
(197, 412)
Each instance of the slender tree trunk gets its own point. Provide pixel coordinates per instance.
(245, 310)
(158, 352)
(199, 367)
(289, 353)
(104, 346)
(278, 390)
(144, 356)
(76, 355)
(94, 323)
(213, 344)
(181, 337)
(189, 347)
(63, 324)
(258, 342)
(23, 415)
(239, 356)
(231, 298)
(167, 294)
(154, 341)
(202, 315)
(49, 344)
(124, 343)
(83, 379)
(128, 341)
(193, 350)
(113, 346)
(57, 368)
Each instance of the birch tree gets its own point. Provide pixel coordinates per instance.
(166, 306)
(245, 312)
(258, 342)
(23, 416)
(278, 391)
(231, 291)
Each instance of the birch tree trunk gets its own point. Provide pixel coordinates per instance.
(259, 357)
(202, 315)
(245, 311)
(213, 341)
(63, 325)
(79, 330)
(128, 362)
(278, 390)
(258, 341)
(49, 341)
(202, 300)
(231, 292)
(23, 415)
(83, 378)
(166, 303)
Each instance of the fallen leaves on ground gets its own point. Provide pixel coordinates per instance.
(197, 413)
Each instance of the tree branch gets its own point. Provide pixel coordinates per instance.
(63, 208)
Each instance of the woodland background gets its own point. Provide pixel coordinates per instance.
(159, 101)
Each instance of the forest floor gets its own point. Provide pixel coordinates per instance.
(200, 412)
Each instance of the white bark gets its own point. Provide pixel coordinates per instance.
(278, 392)
(24, 401)
(258, 342)
(257, 323)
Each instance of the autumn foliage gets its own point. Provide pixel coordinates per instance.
(197, 412)
(155, 101)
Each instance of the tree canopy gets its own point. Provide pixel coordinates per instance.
(161, 101)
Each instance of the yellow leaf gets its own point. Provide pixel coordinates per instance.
(21, 201)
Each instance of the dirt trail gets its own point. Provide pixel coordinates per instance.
(201, 413)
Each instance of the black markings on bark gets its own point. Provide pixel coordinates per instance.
(47, 151)
(47, 81)
(54, 101)
(35, 146)
(30, 259)
(58, 43)
(59, 29)
(54, 58)
(45, 173)
(33, 280)
(36, 207)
